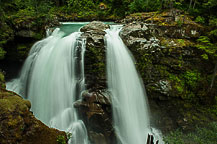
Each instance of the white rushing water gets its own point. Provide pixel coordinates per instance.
(52, 78)
(129, 104)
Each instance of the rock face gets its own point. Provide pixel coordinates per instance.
(19, 126)
(95, 68)
(95, 107)
(95, 111)
(175, 74)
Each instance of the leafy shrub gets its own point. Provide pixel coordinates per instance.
(2, 53)
(207, 46)
(202, 135)
(61, 139)
(200, 19)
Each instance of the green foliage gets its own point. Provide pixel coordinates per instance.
(2, 78)
(174, 138)
(185, 84)
(178, 84)
(79, 6)
(213, 33)
(213, 109)
(69, 135)
(213, 21)
(207, 46)
(179, 22)
(202, 135)
(191, 78)
(205, 56)
(2, 53)
(200, 19)
(61, 139)
(144, 5)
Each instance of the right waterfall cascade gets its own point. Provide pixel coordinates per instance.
(129, 102)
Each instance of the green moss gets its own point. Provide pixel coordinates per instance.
(38, 36)
(2, 53)
(23, 50)
(2, 78)
(179, 22)
(183, 85)
(176, 43)
(205, 56)
(200, 19)
(61, 139)
(209, 48)
(191, 78)
(213, 109)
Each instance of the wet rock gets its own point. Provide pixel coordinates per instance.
(95, 26)
(95, 68)
(95, 111)
(97, 138)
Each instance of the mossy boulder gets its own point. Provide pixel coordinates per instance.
(18, 124)
(172, 23)
(94, 26)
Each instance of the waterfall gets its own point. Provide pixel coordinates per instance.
(52, 78)
(129, 102)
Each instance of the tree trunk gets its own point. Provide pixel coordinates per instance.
(194, 3)
(190, 5)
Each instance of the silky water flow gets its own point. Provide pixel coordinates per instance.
(52, 77)
(129, 102)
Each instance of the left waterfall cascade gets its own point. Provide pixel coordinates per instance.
(52, 78)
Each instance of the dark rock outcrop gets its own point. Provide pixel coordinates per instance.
(95, 68)
(95, 111)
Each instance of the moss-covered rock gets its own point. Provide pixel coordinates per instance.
(172, 23)
(95, 68)
(171, 65)
(18, 124)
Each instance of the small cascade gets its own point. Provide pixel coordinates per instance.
(129, 102)
(52, 78)
(48, 32)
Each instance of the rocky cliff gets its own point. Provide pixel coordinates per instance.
(176, 75)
